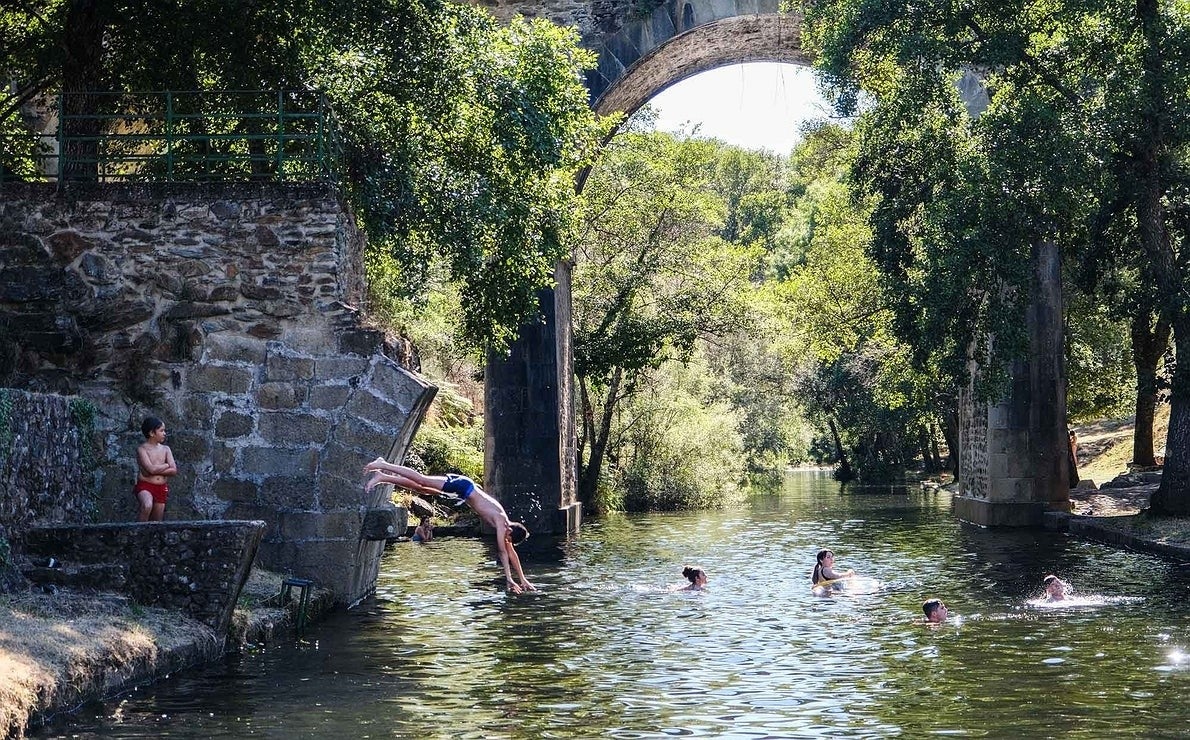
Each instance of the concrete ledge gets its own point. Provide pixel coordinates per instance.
(1109, 530)
(998, 513)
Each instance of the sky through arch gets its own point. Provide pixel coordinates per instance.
(757, 105)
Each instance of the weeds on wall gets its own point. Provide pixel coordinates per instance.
(83, 414)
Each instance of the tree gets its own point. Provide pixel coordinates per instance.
(1082, 125)
(651, 277)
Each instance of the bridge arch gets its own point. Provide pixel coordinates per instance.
(635, 64)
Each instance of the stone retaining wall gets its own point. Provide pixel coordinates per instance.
(194, 567)
(232, 313)
(48, 456)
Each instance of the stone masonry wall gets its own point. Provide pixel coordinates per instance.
(47, 459)
(232, 315)
(196, 567)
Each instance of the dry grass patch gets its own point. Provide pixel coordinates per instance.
(58, 649)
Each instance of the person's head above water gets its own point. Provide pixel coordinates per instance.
(1055, 588)
(935, 610)
(696, 576)
(824, 554)
(517, 533)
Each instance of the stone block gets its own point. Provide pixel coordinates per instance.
(1004, 490)
(233, 424)
(384, 523)
(362, 342)
(310, 338)
(375, 409)
(396, 384)
(328, 397)
(307, 526)
(281, 367)
(280, 395)
(219, 379)
(270, 461)
(286, 428)
(339, 368)
(228, 347)
(236, 489)
(987, 513)
(360, 436)
(223, 458)
(289, 492)
(189, 447)
(340, 493)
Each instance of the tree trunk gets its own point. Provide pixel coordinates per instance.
(843, 472)
(935, 455)
(1173, 496)
(597, 436)
(82, 73)
(1148, 345)
(950, 430)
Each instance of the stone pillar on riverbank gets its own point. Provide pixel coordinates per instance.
(1013, 453)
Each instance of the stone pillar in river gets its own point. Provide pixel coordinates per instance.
(529, 418)
(1013, 453)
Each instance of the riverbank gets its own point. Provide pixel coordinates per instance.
(59, 650)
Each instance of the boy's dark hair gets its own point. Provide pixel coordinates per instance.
(1048, 580)
(930, 606)
(517, 533)
(150, 424)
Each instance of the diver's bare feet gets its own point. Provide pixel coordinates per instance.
(374, 481)
(376, 464)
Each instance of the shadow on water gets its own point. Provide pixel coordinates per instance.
(608, 648)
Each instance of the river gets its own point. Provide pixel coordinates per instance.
(605, 648)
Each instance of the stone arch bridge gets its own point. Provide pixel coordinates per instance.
(1012, 453)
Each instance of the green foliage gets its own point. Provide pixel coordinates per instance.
(461, 138)
(653, 278)
(681, 450)
(1101, 377)
(443, 448)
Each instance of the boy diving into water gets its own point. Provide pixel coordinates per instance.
(464, 491)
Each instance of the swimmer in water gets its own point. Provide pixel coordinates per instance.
(935, 611)
(824, 569)
(697, 578)
(1055, 588)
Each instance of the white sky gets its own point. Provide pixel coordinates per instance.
(756, 105)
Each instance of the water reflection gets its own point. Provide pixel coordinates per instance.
(604, 649)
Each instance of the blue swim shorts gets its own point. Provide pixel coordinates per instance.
(460, 485)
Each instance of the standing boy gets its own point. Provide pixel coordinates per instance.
(156, 463)
(463, 489)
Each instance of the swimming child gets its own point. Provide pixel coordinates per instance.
(424, 531)
(824, 569)
(697, 578)
(936, 612)
(1055, 588)
(463, 490)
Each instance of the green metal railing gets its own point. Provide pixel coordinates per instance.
(193, 136)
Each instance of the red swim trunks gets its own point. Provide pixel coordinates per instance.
(159, 491)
